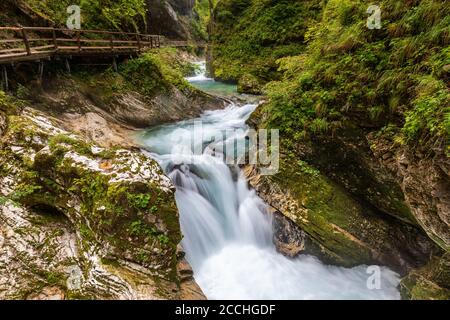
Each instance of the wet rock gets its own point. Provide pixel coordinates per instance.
(339, 230)
(425, 185)
(73, 218)
(288, 237)
(3, 123)
(168, 17)
(432, 282)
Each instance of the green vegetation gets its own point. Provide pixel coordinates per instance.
(124, 15)
(156, 70)
(249, 36)
(200, 26)
(137, 219)
(8, 104)
(327, 71)
(430, 282)
(149, 74)
(350, 75)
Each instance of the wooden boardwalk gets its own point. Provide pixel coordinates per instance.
(36, 43)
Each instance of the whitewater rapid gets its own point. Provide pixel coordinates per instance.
(227, 229)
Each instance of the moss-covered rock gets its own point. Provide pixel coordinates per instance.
(432, 282)
(249, 84)
(118, 207)
(341, 230)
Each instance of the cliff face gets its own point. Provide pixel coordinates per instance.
(175, 19)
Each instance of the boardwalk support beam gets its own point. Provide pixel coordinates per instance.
(67, 64)
(40, 70)
(114, 64)
(5, 84)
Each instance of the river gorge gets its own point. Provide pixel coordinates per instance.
(227, 229)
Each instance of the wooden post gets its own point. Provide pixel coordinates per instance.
(79, 40)
(151, 42)
(55, 42)
(40, 70)
(5, 78)
(116, 69)
(138, 38)
(111, 41)
(25, 41)
(66, 61)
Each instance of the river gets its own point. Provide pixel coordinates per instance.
(226, 227)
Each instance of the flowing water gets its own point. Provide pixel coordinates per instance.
(202, 82)
(227, 231)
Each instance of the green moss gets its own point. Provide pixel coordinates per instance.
(54, 278)
(78, 145)
(110, 213)
(163, 66)
(152, 73)
(249, 36)
(127, 15)
(9, 104)
(350, 75)
(330, 217)
(430, 282)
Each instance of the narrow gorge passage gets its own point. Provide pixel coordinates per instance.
(227, 229)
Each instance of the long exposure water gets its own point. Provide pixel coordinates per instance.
(227, 229)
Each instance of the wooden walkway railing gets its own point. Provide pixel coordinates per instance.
(35, 43)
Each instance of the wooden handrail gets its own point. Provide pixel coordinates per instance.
(60, 41)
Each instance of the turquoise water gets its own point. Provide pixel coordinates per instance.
(200, 81)
(216, 87)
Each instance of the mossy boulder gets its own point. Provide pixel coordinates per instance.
(432, 282)
(249, 84)
(341, 229)
(118, 201)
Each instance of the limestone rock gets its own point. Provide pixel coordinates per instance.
(73, 218)
(288, 237)
(337, 228)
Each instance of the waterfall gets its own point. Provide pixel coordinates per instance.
(227, 229)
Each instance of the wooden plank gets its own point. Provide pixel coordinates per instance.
(42, 47)
(25, 57)
(10, 40)
(10, 28)
(12, 55)
(121, 46)
(40, 39)
(78, 41)
(12, 50)
(55, 42)
(138, 38)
